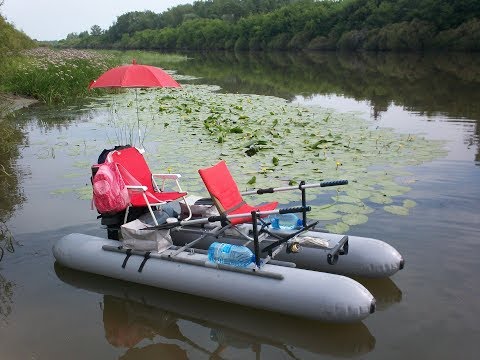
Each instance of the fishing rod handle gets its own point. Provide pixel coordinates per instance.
(297, 209)
(304, 186)
(333, 183)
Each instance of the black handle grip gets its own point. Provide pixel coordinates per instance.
(217, 218)
(165, 226)
(297, 209)
(265, 191)
(333, 183)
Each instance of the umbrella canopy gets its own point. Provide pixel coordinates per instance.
(134, 76)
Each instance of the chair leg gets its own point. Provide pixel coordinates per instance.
(150, 209)
(189, 209)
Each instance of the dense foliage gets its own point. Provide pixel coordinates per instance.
(11, 40)
(294, 24)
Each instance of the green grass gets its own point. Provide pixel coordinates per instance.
(53, 76)
(60, 76)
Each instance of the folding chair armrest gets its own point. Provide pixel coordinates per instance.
(168, 176)
(138, 188)
(165, 177)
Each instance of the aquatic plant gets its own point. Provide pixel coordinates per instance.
(267, 141)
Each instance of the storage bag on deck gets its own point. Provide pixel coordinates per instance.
(145, 240)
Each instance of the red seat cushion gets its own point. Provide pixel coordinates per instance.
(221, 185)
(135, 171)
(136, 198)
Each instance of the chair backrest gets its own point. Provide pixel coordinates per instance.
(133, 161)
(222, 187)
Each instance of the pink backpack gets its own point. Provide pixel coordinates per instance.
(110, 195)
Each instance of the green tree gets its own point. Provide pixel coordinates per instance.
(132, 22)
(296, 24)
(11, 39)
(96, 30)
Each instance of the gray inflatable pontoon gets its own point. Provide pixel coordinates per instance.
(283, 289)
(364, 257)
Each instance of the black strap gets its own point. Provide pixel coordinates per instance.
(235, 207)
(129, 253)
(145, 258)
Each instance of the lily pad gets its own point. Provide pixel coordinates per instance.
(380, 199)
(346, 199)
(409, 203)
(84, 193)
(266, 141)
(358, 194)
(397, 210)
(354, 219)
(338, 228)
(61, 191)
(318, 213)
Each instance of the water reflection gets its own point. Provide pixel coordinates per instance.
(11, 196)
(6, 297)
(60, 117)
(443, 85)
(385, 291)
(135, 316)
(127, 323)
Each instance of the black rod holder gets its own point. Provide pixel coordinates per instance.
(256, 244)
(304, 202)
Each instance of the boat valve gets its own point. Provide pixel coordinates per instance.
(294, 247)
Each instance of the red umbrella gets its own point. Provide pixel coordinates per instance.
(134, 76)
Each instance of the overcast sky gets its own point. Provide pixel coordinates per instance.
(55, 19)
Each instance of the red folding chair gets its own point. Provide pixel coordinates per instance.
(225, 194)
(139, 180)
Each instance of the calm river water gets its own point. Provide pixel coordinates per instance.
(429, 310)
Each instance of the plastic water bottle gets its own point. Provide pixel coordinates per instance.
(229, 254)
(286, 222)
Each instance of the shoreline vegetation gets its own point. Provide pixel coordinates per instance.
(292, 25)
(235, 25)
(54, 76)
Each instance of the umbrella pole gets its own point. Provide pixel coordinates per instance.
(138, 119)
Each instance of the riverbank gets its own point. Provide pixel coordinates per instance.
(10, 103)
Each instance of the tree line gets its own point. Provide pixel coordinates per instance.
(381, 25)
